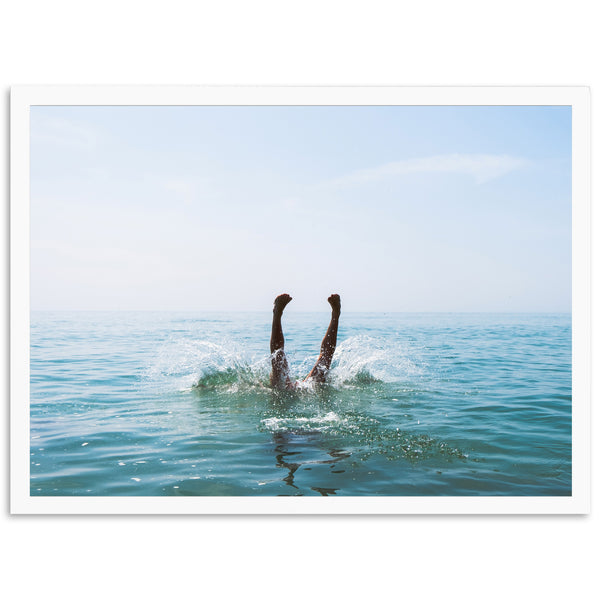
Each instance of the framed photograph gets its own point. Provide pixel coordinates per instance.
(300, 300)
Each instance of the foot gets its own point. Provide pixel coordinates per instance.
(281, 302)
(336, 304)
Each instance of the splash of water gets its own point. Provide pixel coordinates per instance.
(359, 361)
(202, 364)
(362, 360)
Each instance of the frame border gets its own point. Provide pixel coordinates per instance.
(23, 97)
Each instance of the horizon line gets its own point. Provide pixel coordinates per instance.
(197, 310)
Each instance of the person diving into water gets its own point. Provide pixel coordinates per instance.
(280, 374)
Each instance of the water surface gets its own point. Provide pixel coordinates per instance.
(158, 403)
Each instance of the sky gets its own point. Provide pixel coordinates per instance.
(396, 208)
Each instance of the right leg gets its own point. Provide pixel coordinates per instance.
(280, 375)
(321, 368)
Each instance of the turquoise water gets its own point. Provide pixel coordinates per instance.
(156, 403)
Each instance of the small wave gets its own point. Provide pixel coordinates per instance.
(232, 380)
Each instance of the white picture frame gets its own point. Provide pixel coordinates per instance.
(23, 97)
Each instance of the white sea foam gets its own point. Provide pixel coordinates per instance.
(316, 423)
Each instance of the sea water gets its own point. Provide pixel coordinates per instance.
(158, 403)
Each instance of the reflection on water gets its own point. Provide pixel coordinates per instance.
(289, 459)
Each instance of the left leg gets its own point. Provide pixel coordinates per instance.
(319, 371)
(280, 377)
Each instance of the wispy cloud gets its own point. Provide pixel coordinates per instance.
(481, 167)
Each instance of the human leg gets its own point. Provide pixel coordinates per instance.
(319, 371)
(280, 377)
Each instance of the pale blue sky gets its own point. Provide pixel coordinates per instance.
(208, 208)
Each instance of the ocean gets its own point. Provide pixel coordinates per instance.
(431, 404)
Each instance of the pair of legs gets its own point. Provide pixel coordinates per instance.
(280, 376)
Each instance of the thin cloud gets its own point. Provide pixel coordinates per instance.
(481, 167)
